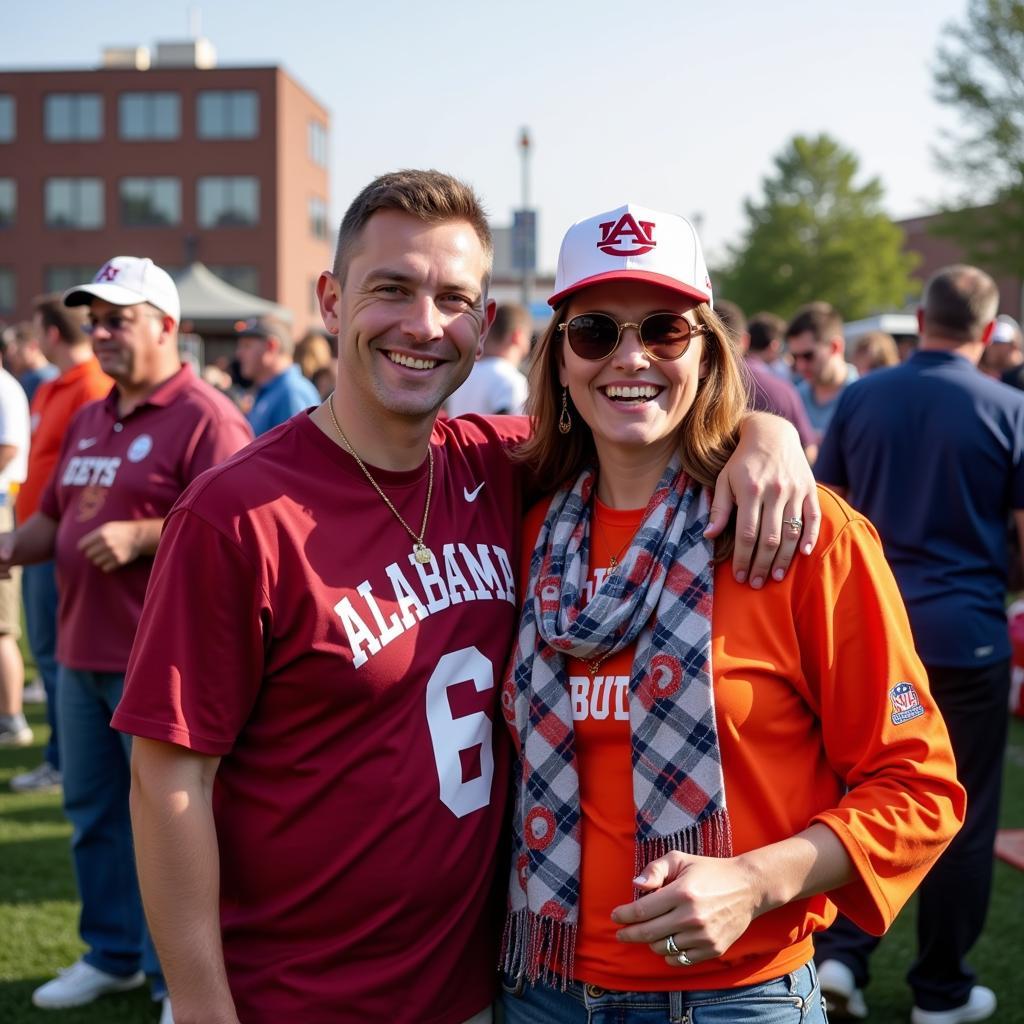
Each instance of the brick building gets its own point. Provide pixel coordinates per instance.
(175, 159)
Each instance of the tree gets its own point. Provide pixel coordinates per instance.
(980, 72)
(818, 235)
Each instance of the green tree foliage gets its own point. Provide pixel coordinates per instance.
(980, 73)
(816, 234)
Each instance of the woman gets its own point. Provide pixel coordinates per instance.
(699, 762)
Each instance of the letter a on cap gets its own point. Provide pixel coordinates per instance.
(616, 234)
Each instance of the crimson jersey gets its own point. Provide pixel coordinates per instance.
(350, 692)
(113, 468)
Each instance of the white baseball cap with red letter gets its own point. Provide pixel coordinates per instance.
(127, 281)
(633, 243)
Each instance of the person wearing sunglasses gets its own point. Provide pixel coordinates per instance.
(705, 772)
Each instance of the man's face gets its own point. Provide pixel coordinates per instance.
(410, 315)
(251, 351)
(809, 356)
(126, 340)
(48, 337)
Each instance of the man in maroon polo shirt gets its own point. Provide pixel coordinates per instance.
(123, 463)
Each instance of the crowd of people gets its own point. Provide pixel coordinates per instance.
(334, 633)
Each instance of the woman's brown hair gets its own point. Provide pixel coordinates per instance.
(707, 435)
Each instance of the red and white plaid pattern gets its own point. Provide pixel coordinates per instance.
(660, 599)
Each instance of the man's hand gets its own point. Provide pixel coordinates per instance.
(769, 481)
(704, 903)
(113, 544)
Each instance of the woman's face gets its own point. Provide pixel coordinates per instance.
(603, 391)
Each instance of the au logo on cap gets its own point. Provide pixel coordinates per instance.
(627, 237)
(107, 273)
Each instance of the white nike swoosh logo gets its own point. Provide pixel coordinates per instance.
(470, 495)
(86, 442)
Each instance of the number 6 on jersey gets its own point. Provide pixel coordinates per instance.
(450, 736)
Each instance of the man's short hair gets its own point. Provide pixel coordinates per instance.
(732, 317)
(820, 318)
(959, 303)
(431, 196)
(765, 328)
(509, 317)
(68, 320)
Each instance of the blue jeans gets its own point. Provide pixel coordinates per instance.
(39, 594)
(97, 780)
(792, 999)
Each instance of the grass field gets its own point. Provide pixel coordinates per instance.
(38, 913)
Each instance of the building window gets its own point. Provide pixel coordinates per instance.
(8, 201)
(151, 202)
(317, 143)
(228, 202)
(239, 276)
(317, 217)
(8, 120)
(6, 290)
(228, 114)
(70, 275)
(149, 115)
(74, 202)
(73, 117)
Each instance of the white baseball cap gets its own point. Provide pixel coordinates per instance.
(127, 281)
(633, 243)
(1006, 331)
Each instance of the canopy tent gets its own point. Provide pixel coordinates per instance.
(213, 306)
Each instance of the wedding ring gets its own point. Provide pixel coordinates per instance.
(796, 522)
(671, 949)
(684, 960)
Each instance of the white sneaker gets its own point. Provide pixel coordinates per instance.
(15, 731)
(980, 1005)
(80, 984)
(44, 778)
(34, 692)
(843, 1000)
(166, 1017)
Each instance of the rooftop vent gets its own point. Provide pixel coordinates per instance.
(132, 57)
(194, 53)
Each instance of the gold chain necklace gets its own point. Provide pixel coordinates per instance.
(419, 548)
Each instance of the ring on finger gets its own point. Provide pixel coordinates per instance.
(671, 949)
(795, 522)
(684, 960)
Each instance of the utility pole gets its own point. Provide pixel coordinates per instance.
(528, 227)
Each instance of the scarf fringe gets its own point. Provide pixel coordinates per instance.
(541, 948)
(709, 837)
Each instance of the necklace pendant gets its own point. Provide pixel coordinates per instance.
(613, 563)
(422, 552)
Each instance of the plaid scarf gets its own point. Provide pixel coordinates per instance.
(660, 599)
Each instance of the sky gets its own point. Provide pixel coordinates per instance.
(672, 104)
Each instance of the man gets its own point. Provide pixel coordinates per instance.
(315, 740)
(266, 357)
(14, 442)
(817, 348)
(933, 453)
(767, 392)
(123, 463)
(495, 385)
(64, 342)
(766, 334)
(26, 359)
(1004, 357)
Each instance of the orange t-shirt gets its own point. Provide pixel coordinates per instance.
(53, 405)
(803, 676)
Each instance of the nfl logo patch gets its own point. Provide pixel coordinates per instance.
(905, 705)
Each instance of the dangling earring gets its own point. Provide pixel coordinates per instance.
(565, 420)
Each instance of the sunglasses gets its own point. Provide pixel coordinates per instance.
(664, 336)
(115, 322)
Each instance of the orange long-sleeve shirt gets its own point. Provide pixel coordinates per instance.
(811, 728)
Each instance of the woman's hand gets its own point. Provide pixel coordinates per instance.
(770, 482)
(704, 903)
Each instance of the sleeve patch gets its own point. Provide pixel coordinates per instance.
(905, 705)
